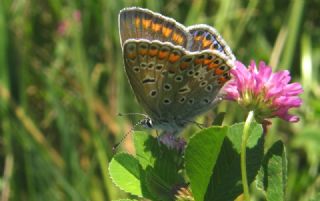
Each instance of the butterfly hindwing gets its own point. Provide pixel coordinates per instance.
(204, 77)
(205, 37)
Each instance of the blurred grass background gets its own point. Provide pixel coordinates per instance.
(62, 84)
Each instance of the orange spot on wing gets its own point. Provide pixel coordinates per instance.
(207, 61)
(206, 43)
(173, 58)
(153, 52)
(178, 38)
(218, 71)
(198, 61)
(137, 22)
(146, 23)
(212, 66)
(132, 55)
(184, 65)
(198, 37)
(155, 27)
(166, 31)
(143, 51)
(222, 80)
(163, 54)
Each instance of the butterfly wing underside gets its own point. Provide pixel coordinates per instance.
(175, 72)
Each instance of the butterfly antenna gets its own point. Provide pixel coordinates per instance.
(132, 114)
(130, 131)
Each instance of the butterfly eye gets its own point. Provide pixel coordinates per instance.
(147, 123)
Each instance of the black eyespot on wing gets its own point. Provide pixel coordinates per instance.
(203, 83)
(223, 67)
(159, 66)
(166, 101)
(190, 101)
(182, 99)
(199, 33)
(153, 93)
(143, 65)
(148, 80)
(167, 87)
(190, 72)
(208, 37)
(178, 78)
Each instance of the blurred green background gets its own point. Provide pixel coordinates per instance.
(62, 84)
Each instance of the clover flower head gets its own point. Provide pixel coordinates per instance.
(268, 94)
(172, 142)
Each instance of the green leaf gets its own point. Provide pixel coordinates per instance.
(158, 187)
(144, 145)
(225, 183)
(124, 170)
(200, 158)
(273, 174)
(160, 165)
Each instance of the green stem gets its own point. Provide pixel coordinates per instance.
(245, 136)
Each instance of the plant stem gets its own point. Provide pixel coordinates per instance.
(245, 136)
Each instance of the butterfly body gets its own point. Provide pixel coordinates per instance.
(175, 72)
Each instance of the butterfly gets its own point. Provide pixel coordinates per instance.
(176, 72)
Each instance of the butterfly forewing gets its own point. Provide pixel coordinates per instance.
(138, 23)
(141, 76)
